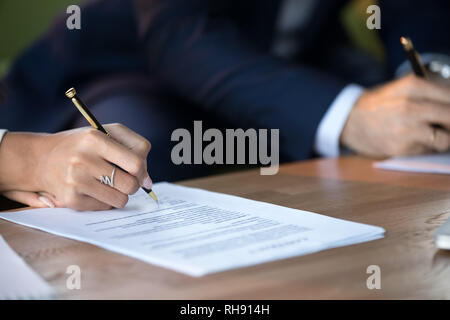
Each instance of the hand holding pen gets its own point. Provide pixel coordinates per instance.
(109, 180)
(65, 169)
(406, 116)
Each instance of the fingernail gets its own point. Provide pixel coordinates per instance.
(147, 183)
(47, 202)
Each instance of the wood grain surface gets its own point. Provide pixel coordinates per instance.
(409, 206)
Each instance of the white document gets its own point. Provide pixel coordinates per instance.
(434, 163)
(199, 232)
(17, 279)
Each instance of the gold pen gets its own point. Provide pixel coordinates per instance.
(414, 58)
(72, 94)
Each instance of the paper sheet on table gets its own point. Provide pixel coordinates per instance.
(199, 232)
(434, 163)
(17, 279)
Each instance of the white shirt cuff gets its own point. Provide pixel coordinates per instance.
(2, 133)
(330, 127)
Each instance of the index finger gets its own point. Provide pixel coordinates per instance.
(116, 153)
(129, 138)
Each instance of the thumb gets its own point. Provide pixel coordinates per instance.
(31, 199)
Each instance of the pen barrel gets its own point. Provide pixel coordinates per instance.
(88, 115)
(416, 64)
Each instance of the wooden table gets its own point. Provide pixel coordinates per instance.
(409, 206)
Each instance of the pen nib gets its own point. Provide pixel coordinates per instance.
(153, 195)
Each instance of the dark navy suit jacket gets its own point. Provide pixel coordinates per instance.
(215, 53)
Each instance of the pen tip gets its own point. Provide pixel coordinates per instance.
(406, 42)
(153, 195)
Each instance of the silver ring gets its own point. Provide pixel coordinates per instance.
(107, 180)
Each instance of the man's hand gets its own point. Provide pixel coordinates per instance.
(400, 118)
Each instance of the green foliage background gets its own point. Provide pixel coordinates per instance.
(22, 21)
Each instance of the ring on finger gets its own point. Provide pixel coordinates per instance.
(107, 180)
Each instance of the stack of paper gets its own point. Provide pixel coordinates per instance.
(199, 232)
(434, 163)
(17, 280)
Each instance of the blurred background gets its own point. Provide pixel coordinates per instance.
(22, 21)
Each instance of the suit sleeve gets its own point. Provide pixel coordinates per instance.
(201, 54)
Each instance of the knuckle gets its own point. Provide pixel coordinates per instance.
(136, 165)
(70, 182)
(113, 126)
(131, 186)
(71, 176)
(122, 201)
(92, 132)
(118, 125)
(75, 160)
(90, 137)
(144, 146)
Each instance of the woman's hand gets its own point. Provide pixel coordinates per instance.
(65, 168)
